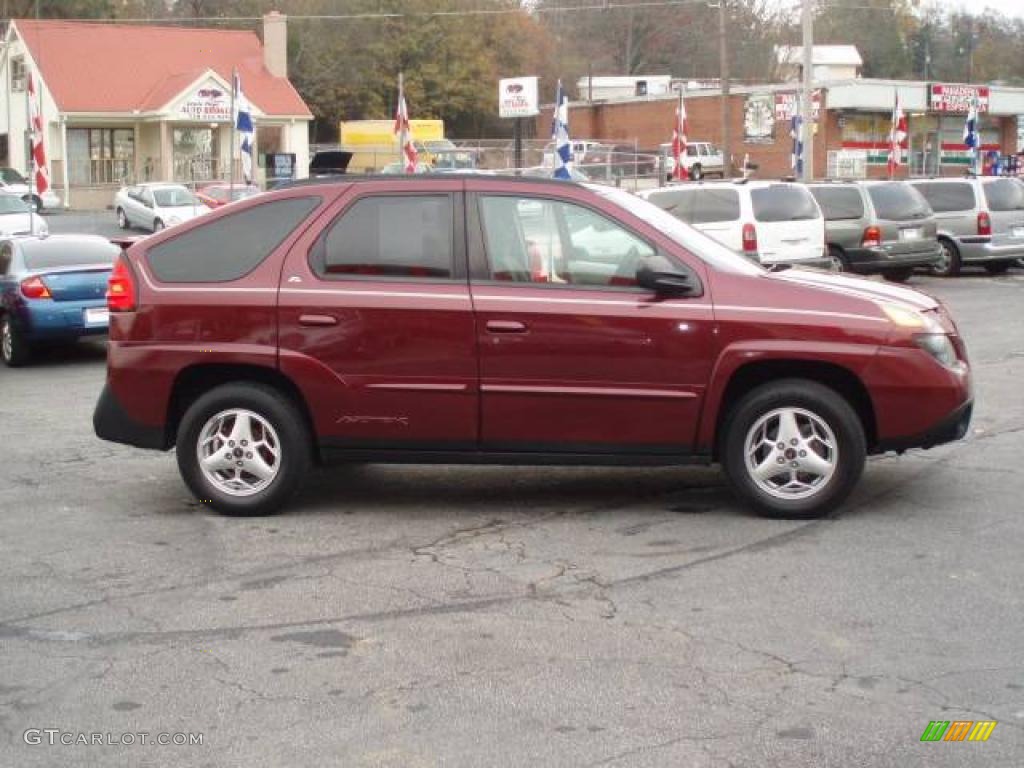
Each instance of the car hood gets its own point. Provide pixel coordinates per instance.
(857, 288)
(16, 189)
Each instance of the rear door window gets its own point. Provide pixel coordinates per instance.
(945, 197)
(1004, 195)
(230, 247)
(678, 202)
(783, 202)
(838, 203)
(389, 236)
(711, 205)
(897, 201)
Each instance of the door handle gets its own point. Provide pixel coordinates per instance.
(318, 320)
(506, 326)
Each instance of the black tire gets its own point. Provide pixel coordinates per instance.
(838, 258)
(949, 265)
(998, 268)
(294, 444)
(898, 275)
(810, 397)
(696, 172)
(122, 219)
(158, 225)
(35, 202)
(14, 349)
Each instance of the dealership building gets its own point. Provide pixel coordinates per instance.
(851, 129)
(125, 103)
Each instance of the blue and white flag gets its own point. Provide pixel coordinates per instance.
(796, 161)
(971, 137)
(243, 124)
(560, 135)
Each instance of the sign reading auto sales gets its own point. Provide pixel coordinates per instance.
(209, 104)
(787, 104)
(517, 97)
(944, 97)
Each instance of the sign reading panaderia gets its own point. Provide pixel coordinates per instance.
(209, 103)
(945, 97)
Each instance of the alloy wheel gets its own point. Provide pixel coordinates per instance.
(791, 453)
(6, 340)
(239, 452)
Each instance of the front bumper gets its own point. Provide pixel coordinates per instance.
(872, 260)
(111, 422)
(953, 427)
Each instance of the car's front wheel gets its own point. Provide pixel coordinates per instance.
(243, 448)
(793, 449)
(158, 225)
(14, 349)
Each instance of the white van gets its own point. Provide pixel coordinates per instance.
(773, 222)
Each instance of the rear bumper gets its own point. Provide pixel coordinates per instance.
(870, 260)
(976, 250)
(111, 422)
(46, 320)
(953, 427)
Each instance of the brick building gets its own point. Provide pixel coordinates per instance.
(851, 131)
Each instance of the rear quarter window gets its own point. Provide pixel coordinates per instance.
(230, 247)
(896, 200)
(677, 202)
(945, 198)
(783, 202)
(838, 203)
(1004, 195)
(711, 205)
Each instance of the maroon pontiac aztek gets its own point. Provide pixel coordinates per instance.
(482, 319)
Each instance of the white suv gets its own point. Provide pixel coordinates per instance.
(702, 159)
(769, 221)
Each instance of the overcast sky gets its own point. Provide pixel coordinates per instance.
(1009, 7)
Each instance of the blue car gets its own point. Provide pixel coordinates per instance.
(52, 289)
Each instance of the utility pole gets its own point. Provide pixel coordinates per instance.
(807, 127)
(723, 76)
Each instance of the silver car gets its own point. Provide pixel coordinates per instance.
(156, 206)
(980, 221)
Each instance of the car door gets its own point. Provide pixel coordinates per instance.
(146, 208)
(375, 316)
(574, 357)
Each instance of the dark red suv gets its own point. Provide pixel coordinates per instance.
(491, 320)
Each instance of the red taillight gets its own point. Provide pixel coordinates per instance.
(872, 237)
(120, 288)
(34, 288)
(984, 223)
(749, 238)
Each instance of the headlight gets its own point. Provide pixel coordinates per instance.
(938, 346)
(903, 317)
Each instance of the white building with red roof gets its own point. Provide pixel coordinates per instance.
(128, 103)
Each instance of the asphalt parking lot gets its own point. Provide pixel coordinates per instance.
(426, 616)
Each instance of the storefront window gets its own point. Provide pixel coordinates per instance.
(195, 154)
(100, 155)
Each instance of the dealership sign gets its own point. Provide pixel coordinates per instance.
(787, 104)
(944, 97)
(517, 97)
(209, 103)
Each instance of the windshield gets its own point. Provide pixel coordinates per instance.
(11, 204)
(896, 200)
(708, 250)
(11, 176)
(783, 202)
(173, 197)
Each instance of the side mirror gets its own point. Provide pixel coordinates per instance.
(666, 279)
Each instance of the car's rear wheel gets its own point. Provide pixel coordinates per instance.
(243, 448)
(793, 449)
(948, 264)
(14, 349)
(998, 268)
(696, 172)
(838, 259)
(122, 218)
(898, 275)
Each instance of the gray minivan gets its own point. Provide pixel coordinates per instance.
(877, 227)
(980, 221)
